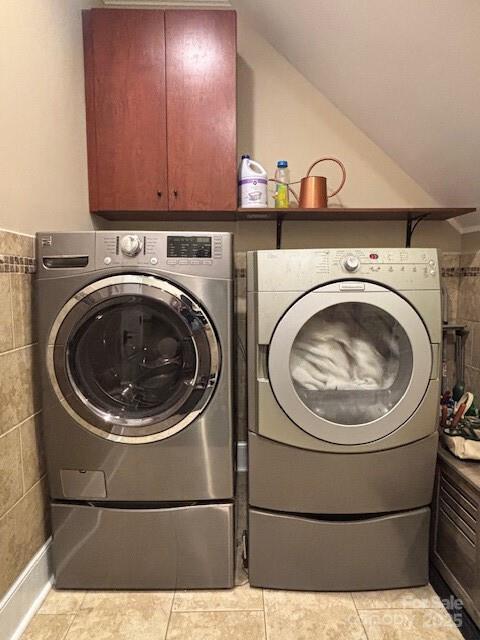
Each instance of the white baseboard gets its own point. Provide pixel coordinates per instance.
(25, 596)
(242, 456)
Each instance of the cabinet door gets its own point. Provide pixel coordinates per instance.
(125, 95)
(201, 109)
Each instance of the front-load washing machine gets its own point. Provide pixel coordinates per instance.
(135, 340)
(344, 358)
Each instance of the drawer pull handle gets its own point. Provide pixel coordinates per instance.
(462, 513)
(445, 513)
(457, 489)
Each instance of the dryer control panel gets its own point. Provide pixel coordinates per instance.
(305, 269)
(388, 261)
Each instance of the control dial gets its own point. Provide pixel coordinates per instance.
(351, 263)
(130, 245)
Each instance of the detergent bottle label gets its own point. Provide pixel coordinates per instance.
(281, 196)
(252, 184)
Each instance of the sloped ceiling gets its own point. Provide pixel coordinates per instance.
(407, 73)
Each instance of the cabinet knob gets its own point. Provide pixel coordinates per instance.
(175, 193)
(159, 194)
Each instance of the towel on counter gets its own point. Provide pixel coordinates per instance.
(347, 346)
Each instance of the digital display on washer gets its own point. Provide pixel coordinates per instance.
(189, 247)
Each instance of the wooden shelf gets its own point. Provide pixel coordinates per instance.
(168, 216)
(353, 214)
(287, 215)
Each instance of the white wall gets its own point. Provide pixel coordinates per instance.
(407, 73)
(281, 115)
(43, 177)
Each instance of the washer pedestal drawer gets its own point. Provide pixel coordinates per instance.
(303, 553)
(186, 547)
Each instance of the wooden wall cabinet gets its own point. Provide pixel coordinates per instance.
(161, 109)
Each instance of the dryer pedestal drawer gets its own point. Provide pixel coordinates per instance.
(374, 482)
(184, 547)
(295, 552)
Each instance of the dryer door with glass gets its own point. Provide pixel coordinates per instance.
(133, 358)
(350, 362)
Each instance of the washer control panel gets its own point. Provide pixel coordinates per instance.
(187, 252)
(130, 245)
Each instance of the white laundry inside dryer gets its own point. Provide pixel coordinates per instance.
(351, 363)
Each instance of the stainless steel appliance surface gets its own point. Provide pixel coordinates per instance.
(343, 389)
(135, 334)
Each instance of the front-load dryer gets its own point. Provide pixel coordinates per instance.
(344, 358)
(135, 346)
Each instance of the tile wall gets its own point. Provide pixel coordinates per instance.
(468, 312)
(461, 282)
(23, 510)
(450, 263)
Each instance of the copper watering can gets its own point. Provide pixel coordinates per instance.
(313, 189)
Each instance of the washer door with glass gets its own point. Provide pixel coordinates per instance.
(350, 362)
(133, 358)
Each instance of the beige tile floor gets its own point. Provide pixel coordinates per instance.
(243, 613)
